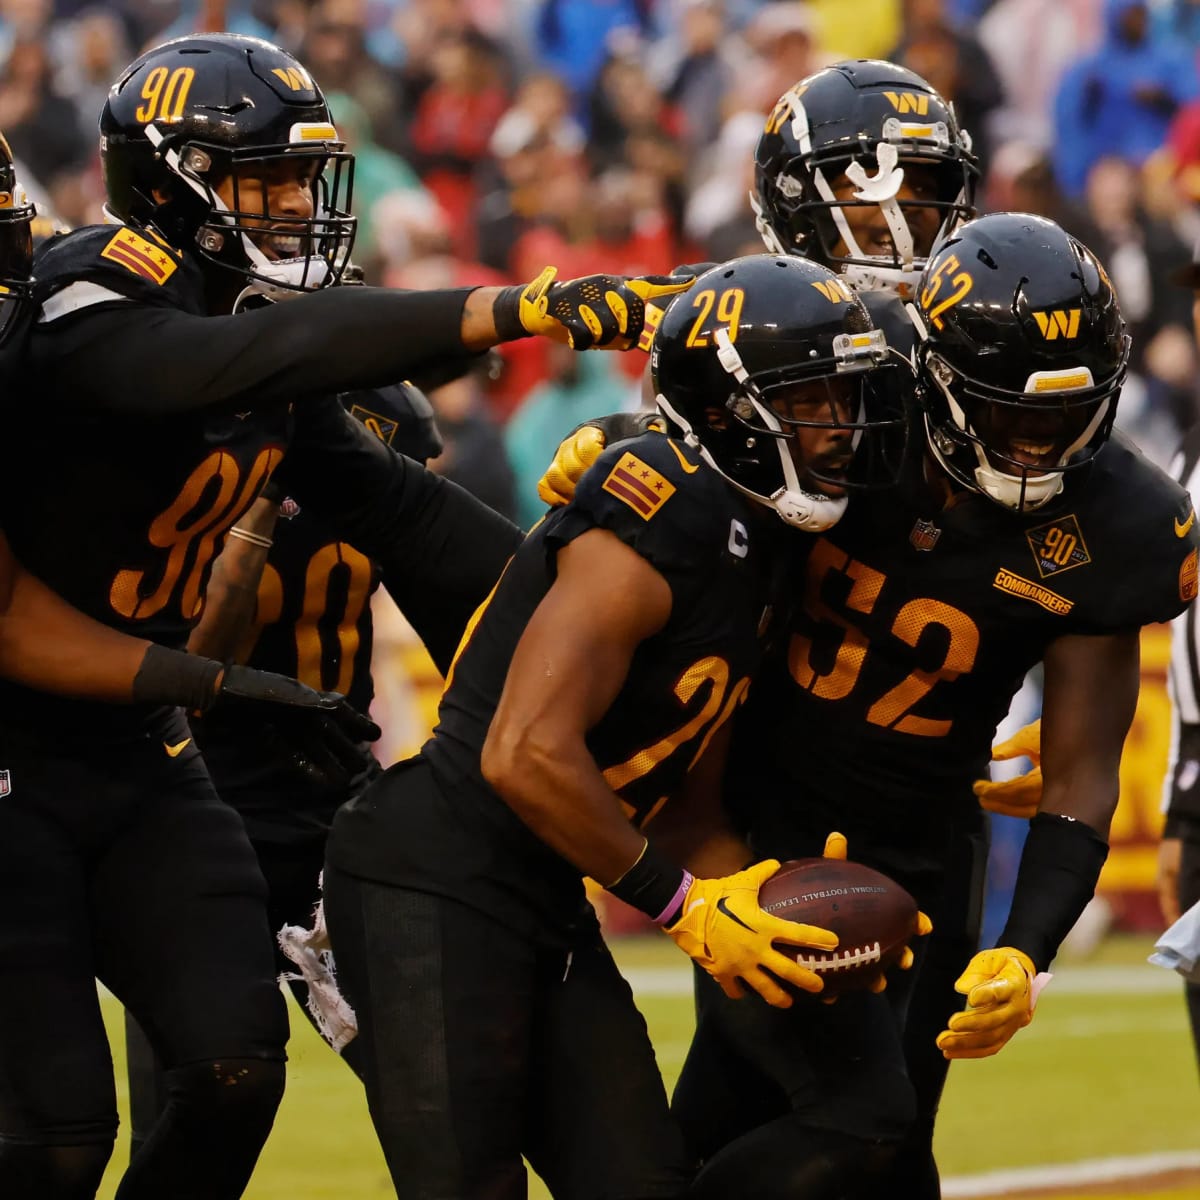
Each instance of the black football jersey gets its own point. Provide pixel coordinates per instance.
(313, 622)
(123, 514)
(659, 498)
(917, 625)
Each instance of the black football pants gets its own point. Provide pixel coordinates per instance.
(479, 1047)
(118, 862)
(292, 871)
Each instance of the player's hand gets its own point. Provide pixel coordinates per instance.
(319, 734)
(1170, 854)
(836, 847)
(605, 312)
(1021, 796)
(583, 445)
(998, 985)
(723, 928)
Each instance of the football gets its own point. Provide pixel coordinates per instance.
(873, 916)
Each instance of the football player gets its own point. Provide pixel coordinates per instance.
(592, 689)
(863, 167)
(295, 599)
(227, 183)
(48, 645)
(1178, 875)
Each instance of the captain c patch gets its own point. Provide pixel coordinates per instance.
(140, 256)
(638, 485)
(1058, 546)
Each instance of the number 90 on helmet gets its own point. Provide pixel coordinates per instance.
(1023, 355)
(773, 370)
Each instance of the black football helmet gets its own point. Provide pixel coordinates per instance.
(865, 119)
(17, 216)
(731, 363)
(1022, 359)
(198, 110)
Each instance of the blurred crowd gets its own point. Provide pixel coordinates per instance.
(495, 136)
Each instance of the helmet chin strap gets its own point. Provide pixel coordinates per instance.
(810, 511)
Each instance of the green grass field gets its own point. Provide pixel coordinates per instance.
(1105, 1070)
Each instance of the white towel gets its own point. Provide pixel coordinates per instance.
(1179, 948)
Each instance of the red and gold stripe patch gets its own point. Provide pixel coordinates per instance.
(638, 485)
(141, 257)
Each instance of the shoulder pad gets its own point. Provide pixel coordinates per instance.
(1144, 524)
(659, 496)
(400, 415)
(133, 263)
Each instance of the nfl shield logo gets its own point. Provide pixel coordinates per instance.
(924, 535)
(5, 783)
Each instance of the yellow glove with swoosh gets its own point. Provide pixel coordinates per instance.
(1020, 796)
(999, 987)
(722, 927)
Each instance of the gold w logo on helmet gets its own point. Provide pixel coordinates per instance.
(909, 102)
(296, 79)
(1058, 323)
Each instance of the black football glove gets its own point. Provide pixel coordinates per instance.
(318, 734)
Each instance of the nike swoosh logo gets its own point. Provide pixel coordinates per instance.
(723, 908)
(176, 750)
(1182, 530)
(691, 468)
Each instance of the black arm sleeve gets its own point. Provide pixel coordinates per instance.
(440, 550)
(135, 358)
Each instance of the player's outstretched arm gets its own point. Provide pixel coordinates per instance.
(1091, 689)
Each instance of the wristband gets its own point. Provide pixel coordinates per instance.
(177, 678)
(247, 535)
(1059, 868)
(654, 885)
(506, 314)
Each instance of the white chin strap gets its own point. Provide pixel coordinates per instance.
(809, 511)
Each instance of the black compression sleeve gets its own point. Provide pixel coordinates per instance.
(1059, 868)
(177, 678)
(138, 359)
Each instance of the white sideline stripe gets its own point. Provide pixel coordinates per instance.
(1077, 1174)
(1071, 981)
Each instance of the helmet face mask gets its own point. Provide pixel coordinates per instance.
(788, 392)
(1019, 376)
(862, 167)
(199, 139)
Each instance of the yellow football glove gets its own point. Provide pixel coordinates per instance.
(607, 312)
(1021, 796)
(998, 985)
(723, 928)
(584, 444)
(836, 847)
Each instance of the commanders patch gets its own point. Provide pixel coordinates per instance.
(141, 257)
(1015, 585)
(638, 485)
(384, 428)
(1058, 546)
(1187, 577)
